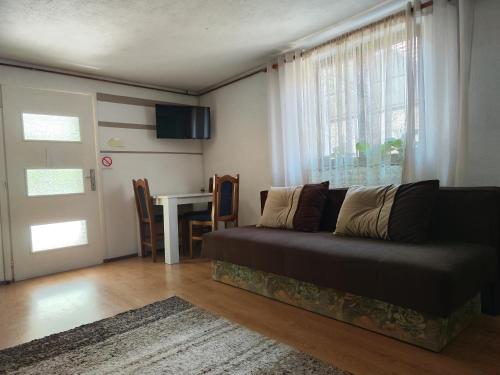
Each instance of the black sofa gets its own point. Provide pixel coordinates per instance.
(436, 278)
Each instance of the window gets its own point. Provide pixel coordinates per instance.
(58, 235)
(362, 105)
(348, 101)
(39, 127)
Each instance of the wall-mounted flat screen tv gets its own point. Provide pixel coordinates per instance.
(182, 121)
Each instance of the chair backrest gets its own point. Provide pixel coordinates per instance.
(211, 184)
(143, 200)
(225, 198)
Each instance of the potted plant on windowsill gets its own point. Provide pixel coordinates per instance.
(391, 151)
(394, 148)
(362, 149)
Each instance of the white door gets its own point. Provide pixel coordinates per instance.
(51, 162)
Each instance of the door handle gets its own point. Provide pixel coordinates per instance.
(91, 176)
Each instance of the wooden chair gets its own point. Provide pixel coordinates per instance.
(150, 225)
(185, 217)
(224, 208)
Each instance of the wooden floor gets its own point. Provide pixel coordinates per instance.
(35, 308)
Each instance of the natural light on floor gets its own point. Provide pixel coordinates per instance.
(58, 235)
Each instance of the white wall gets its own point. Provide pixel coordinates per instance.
(168, 173)
(484, 99)
(239, 141)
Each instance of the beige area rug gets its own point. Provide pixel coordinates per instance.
(166, 337)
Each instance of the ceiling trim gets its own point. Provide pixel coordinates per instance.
(239, 77)
(72, 73)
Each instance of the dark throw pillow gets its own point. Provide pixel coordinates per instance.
(310, 208)
(411, 212)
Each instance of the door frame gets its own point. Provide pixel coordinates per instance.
(6, 251)
(7, 270)
(98, 178)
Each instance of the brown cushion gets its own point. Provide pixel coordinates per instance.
(298, 207)
(365, 211)
(393, 212)
(280, 207)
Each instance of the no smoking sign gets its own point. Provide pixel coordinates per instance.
(106, 162)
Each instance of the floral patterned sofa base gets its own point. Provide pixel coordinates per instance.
(421, 329)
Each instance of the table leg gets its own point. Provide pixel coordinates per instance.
(170, 226)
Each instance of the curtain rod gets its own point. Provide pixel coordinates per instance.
(422, 6)
(224, 84)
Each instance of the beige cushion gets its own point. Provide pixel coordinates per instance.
(280, 207)
(365, 211)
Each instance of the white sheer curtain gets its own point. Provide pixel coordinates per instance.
(435, 142)
(338, 112)
(380, 105)
(285, 94)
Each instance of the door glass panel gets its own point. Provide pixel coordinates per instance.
(58, 235)
(54, 181)
(51, 128)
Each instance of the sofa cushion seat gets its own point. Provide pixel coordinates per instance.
(436, 278)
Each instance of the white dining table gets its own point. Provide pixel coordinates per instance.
(170, 203)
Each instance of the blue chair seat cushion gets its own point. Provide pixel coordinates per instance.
(190, 214)
(200, 216)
